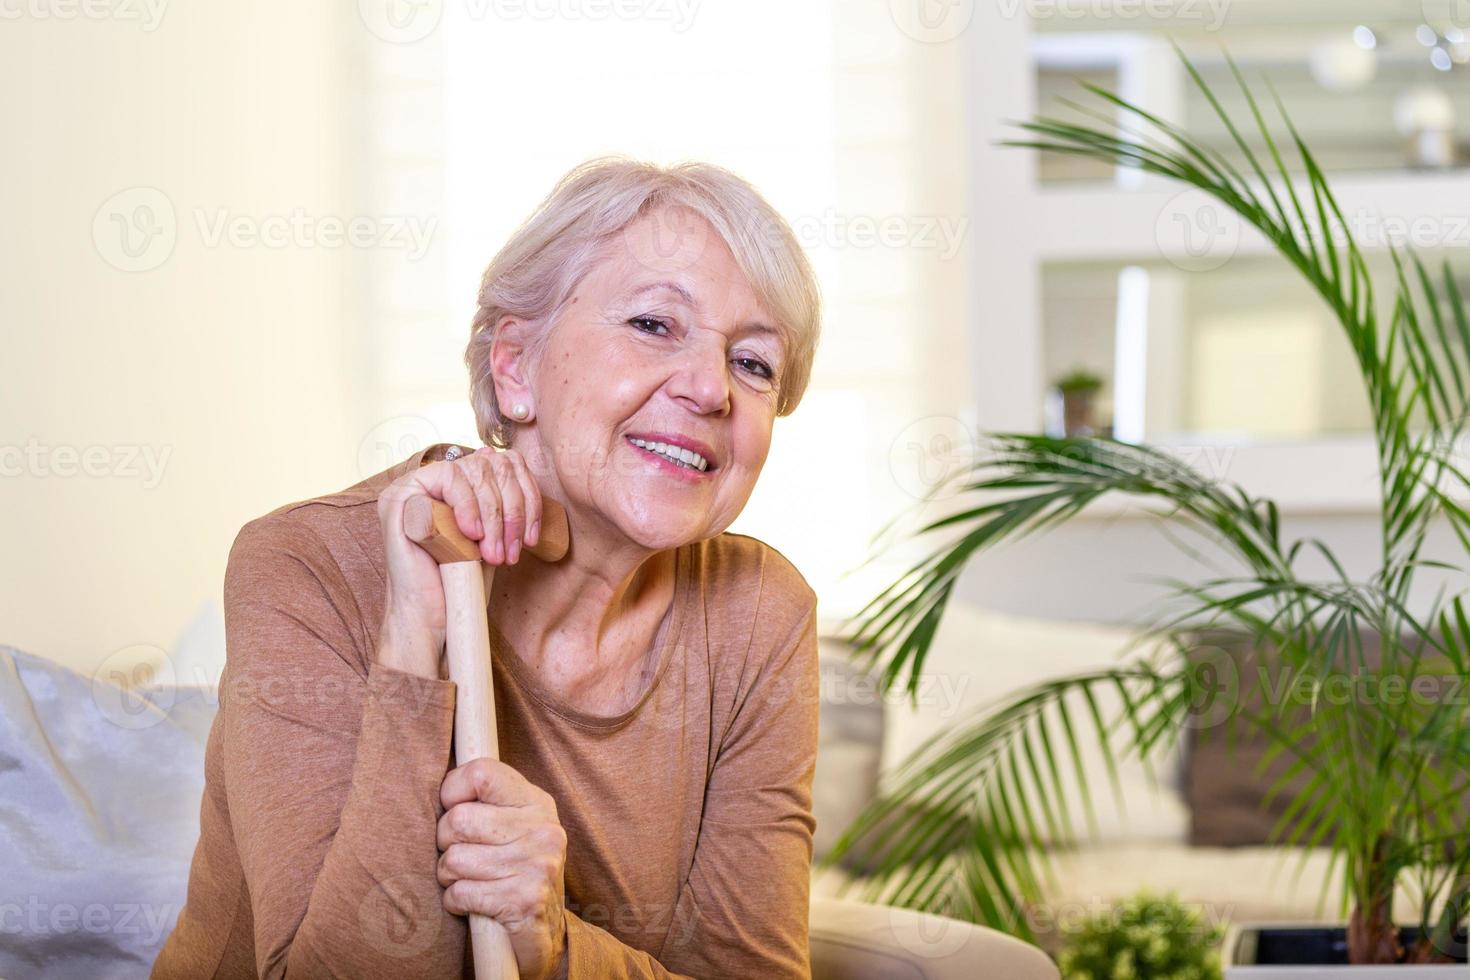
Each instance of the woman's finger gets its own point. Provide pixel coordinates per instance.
(488, 862)
(509, 901)
(472, 822)
(487, 495)
(513, 506)
(532, 494)
(489, 781)
(445, 481)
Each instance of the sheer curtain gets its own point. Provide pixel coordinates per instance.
(852, 128)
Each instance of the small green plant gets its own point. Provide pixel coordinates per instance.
(1148, 937)
(1079, 380)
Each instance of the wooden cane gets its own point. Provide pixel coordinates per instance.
(467, 647)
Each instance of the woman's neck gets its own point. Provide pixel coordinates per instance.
(584, 627)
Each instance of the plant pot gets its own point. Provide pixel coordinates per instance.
(1077, 412)
(1304, 952)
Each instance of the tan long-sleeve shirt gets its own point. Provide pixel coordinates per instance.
(688, 817)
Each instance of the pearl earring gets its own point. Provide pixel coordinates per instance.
(520, 411)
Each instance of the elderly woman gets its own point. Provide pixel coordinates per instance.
(655, 690)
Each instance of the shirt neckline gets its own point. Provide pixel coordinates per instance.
(526, 680)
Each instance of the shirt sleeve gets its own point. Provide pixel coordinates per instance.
(332, 766)
(744, 910)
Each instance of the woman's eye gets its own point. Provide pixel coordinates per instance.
(759, 368)
(642, 322)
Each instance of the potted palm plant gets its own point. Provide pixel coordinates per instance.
(964, 824)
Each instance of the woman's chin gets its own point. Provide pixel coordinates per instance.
(661, 533)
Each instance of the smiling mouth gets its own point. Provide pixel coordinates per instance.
(685, 459)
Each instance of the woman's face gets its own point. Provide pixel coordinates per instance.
(663, 341)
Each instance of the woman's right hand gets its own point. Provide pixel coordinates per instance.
(496, 502)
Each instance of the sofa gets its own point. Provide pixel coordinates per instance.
(1187, 826)
(100, 783)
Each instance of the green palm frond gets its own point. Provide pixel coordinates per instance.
(965, 824)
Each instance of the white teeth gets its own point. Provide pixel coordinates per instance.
(686, 457)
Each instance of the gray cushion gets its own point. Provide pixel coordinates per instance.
(99, 813)
(849, 747)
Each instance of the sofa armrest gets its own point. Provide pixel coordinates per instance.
(859, 941)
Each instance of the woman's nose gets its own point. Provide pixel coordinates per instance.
(703, 381)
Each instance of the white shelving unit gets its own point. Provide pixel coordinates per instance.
(1136, 218)
(1106, 566)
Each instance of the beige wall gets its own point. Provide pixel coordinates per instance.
(223, 362)
(256, 375)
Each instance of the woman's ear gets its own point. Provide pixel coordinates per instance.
(510, 364)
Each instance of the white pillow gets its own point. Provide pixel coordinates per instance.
(99, 813)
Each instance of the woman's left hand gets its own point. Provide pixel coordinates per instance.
(504, 856)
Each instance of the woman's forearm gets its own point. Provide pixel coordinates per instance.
(333, 777)
(409, 646)
(374, 905)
